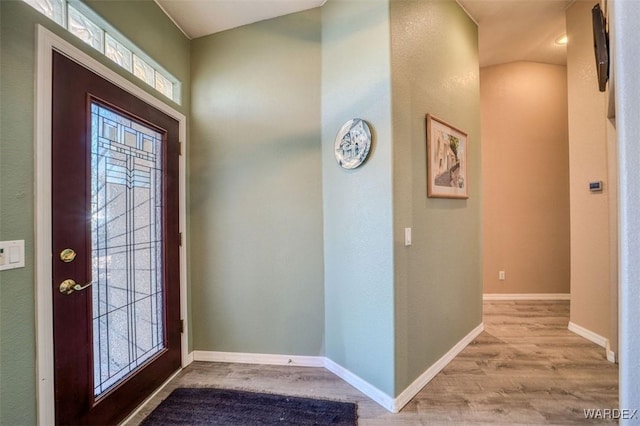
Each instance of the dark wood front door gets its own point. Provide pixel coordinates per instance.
(115, 253)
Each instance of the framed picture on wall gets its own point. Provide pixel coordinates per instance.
(447, 165)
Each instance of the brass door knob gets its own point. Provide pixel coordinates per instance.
(68, 286)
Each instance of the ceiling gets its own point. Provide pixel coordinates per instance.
(519, 30)
(509, 30)
(197, 18)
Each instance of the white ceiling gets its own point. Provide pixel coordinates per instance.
(197, 18)
(509, 30)
(517, 30)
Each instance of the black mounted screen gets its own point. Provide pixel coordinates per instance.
(600, 46)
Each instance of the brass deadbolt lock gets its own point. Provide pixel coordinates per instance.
(67, 255)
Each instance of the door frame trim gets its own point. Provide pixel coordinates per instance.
(46, 42)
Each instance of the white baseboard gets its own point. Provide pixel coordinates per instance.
(266, 359)
(526, 296)
(394, 405)
(588, 334)
(301, 361)
(611, 355)
(595, 338)
(362, 385)
(415, 387)
(187, 360)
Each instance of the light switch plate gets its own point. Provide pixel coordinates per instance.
(12, 253)
(407, 237)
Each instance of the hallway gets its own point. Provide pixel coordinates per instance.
(525, 368)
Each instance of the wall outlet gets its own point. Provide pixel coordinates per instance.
(501, 275)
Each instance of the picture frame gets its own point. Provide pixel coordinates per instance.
(447, 160)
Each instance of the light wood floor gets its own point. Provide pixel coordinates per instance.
(525, 368)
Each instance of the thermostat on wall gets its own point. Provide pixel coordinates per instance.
(595, 186)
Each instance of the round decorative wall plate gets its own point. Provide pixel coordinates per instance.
(353, 143)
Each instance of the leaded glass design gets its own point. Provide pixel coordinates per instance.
(54, 9)
(95, 31)
(143, 71)
(164, 86)
(85, 30)
(118, 53)
(126, 228)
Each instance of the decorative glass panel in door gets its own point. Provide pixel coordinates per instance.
(115, 244)
(126, 231)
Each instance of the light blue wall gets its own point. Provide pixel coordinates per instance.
(358, 222)
(17, 67)
(624, 19)
(438, 279)
(256, 206)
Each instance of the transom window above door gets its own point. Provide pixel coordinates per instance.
(85, 24)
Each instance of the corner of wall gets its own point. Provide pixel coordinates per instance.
(357, 204)
(438, 281)
(593, 232)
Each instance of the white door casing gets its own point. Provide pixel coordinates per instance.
(46, 43)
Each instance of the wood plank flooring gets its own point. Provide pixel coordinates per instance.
(525, 368)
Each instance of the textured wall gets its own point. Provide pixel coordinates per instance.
(434, 68)
(525, 160)
(358, 233)
(272, 215)
(626, 60)
(256, 197)
(17, 66)
(139, 23)
(591, 235)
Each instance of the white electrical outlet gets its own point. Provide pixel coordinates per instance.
(501, 275)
